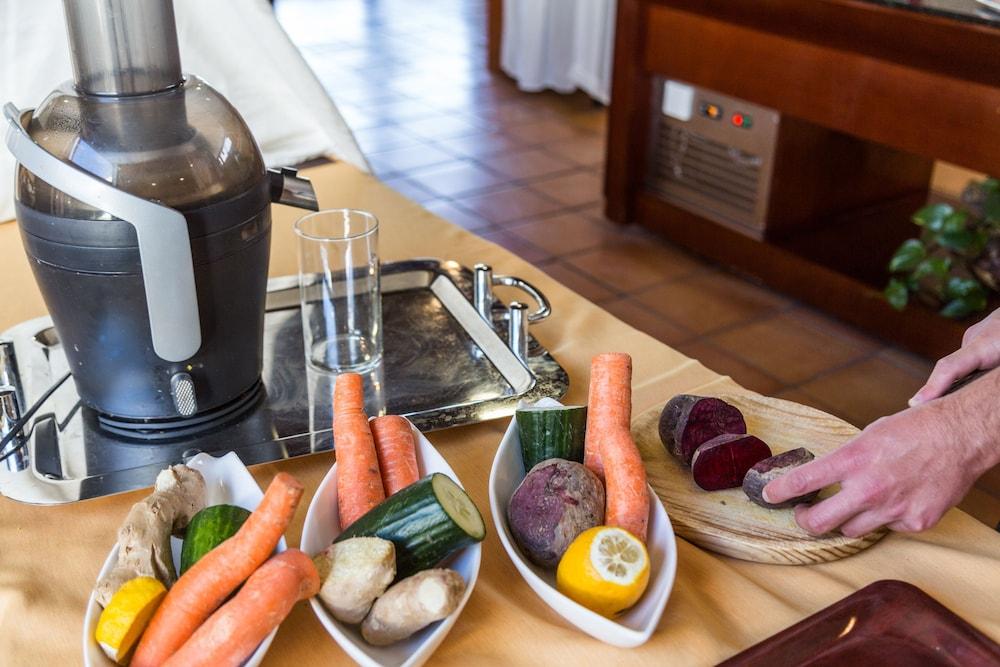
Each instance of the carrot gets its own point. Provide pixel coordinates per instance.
(359, 483)
(397, 452)
(238, 627)
(209, 581)
(625, 484)
(348, 395)
(609, 406)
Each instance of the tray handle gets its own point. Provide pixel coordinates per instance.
(543, 309)
(483, 298)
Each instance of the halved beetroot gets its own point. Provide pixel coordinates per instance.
(687, 422)
(723, 461)
(764, 471)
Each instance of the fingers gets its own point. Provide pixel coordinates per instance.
(807, 478)
(829, 514)
(917, 522)
(862, 524)
(984, 326)
(948, 369)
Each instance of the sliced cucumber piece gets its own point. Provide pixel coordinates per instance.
(551, 433)
(427, 521)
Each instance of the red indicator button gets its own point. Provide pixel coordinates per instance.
(741, 120)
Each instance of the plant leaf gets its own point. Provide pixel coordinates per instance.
(908, 256)
(937, 267)
(962, 306)
(955, 222)
(968, 242)
(932, 216)
(991, 207)
(897, 294)
(965, 288)
(955, 309)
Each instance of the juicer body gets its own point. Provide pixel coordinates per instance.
(186, 148)
(144, 207)
(96, 297)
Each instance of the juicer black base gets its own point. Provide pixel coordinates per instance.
(159, 430)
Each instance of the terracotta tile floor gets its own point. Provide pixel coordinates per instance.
(525, 171)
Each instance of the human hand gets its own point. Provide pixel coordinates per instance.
(903, 471)
(980, 351)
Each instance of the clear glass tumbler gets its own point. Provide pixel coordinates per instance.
(339, 290)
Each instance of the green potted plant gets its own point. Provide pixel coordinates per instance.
(955, 262)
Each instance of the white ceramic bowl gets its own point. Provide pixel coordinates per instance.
(322, 526)
(633, 627)
(227, 481)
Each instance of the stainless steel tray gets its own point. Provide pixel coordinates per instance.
(453, 355)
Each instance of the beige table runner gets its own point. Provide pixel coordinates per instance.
(50, 557)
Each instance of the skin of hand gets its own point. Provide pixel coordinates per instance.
(903, 471)
(980, 351)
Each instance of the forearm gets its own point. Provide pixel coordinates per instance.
(973, 417)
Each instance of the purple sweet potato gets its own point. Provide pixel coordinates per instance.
(556, 501)
(764, 471)
(687, 422)
(723, 461)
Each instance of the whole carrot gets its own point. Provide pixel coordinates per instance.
(397, 452)
(625, 484)
(348, 395)
(209, 581)
(235, 630)
(609, 406)
(359, 482)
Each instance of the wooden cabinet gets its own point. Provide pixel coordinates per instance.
(890, 89)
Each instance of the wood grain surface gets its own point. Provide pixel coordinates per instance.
(726, 522)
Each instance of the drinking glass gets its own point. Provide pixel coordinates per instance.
(339, 290)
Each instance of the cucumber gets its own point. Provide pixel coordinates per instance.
(208, 529)
(427, 521)
(551, 433)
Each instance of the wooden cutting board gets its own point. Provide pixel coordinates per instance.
(726, 521)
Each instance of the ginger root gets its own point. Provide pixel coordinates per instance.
(355, 572)
(412, 604)
(144, 538)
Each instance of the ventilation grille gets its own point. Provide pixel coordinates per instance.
(688, 166)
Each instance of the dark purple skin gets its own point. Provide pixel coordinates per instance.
(723, 461)
(687, 422)
(556, 501)
(770, 469)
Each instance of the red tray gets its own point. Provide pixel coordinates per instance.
(887, 623)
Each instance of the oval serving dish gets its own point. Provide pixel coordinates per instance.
(227, 481)
(322, 526)
(633, 627)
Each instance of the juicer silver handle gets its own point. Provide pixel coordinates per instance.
(164, 244)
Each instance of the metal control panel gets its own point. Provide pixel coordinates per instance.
(713, 155)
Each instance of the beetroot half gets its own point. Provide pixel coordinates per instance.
(723, 461)
(764, 471)
(687, 422)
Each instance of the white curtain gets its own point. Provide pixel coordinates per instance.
(236, 45)
(559, 44)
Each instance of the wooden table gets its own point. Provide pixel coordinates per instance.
(51, 555)
(860, 76)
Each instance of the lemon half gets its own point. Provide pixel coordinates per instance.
(125, 618)
(605, 569)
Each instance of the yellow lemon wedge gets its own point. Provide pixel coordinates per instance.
(125, 618)
(605, 569)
